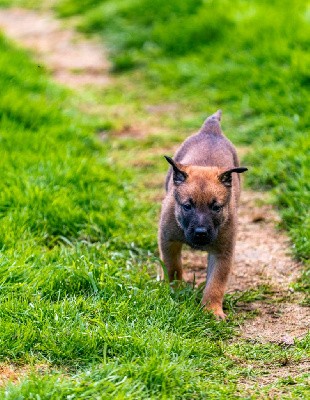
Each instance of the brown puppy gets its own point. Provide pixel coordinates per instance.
(200, 208)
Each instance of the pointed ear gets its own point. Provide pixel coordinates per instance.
(226, 178)
(179, 176)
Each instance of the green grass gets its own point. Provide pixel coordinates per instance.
(35, 4)
(78, 239)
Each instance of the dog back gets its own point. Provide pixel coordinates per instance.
(208, 147)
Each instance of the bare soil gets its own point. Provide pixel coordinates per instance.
(269, 374)
(72, 59)
(9, 374)
(262, 253)
(14, 373)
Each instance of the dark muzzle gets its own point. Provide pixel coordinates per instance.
(202, 236)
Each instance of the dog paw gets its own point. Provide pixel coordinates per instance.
(220, 315)
(217, 311)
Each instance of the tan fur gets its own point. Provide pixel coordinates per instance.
(202, 159)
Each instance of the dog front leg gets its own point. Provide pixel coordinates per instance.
(217, 275)
(171, 256)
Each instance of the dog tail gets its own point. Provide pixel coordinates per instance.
(212, 124)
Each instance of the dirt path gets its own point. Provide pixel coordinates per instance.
(262, 254)
(72, 59)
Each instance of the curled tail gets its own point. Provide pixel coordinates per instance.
(212, 124)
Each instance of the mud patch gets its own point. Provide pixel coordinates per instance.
(73, 60)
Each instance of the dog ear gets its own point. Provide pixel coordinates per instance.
(225, 177)
(179, 176)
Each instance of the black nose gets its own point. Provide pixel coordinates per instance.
(201, 233)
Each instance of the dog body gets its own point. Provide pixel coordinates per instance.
(200, 208)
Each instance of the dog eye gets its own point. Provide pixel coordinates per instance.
(216, 207)
(187, 206)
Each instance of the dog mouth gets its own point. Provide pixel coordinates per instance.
(198, 247)
(201, 240)
(200, 244)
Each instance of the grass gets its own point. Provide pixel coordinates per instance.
(35, 4)
(78, 237)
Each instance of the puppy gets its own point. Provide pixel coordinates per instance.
(200, 208)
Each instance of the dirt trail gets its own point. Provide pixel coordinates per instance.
(262, 254)
(72, 59)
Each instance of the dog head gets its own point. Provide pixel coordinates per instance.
(202, 198)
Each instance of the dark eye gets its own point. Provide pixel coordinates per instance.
(187, 206)
(216, 208)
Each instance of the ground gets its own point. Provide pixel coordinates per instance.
(263, 254)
